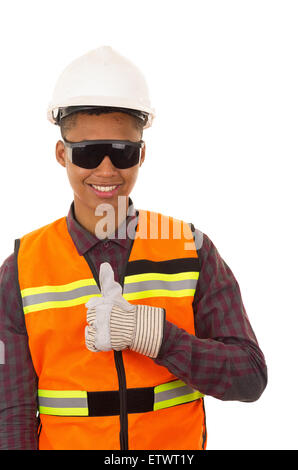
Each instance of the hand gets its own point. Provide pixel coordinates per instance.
(97, 333)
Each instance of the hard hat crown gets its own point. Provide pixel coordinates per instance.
(102, 77)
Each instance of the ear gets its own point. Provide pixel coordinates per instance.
(143, 155)
(61, 153)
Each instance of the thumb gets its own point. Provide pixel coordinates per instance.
(108, 286)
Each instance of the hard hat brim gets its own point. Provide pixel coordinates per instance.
(95, 102)
(67, 111)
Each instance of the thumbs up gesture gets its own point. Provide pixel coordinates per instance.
(115, 324)
(97, 333)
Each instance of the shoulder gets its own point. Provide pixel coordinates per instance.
(11, 312)
(44, 230)
(206, 249)
(7, 268)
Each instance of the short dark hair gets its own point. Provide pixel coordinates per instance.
(68, 122)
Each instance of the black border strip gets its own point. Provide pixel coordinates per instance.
(172, 266)
(139, 400)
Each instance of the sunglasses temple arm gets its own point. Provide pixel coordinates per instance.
(68, 153)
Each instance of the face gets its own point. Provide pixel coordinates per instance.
(118, 126)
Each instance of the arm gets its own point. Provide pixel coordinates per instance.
(223, 359)
(18, 381)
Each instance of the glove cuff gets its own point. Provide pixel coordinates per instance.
(149, 330)
(122, 327)
(141, 330)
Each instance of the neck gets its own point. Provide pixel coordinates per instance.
(102, 220)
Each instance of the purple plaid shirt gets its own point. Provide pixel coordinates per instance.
(223, 359)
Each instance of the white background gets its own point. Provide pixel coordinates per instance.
(222, 153)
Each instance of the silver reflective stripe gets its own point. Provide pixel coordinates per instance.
(174, 393)
(158, 284)
(63, 402)
(59, 296)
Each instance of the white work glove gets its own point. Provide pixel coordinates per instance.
(114, 323)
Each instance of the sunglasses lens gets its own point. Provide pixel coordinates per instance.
(90, 156)
(87, 157)
(126, 157)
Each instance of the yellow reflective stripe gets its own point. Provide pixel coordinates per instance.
(169, 386)
(161, 277)
(177, 401)
(59, 304)
(58, 288)
(62, 393)
(47, 410)
(159, 293)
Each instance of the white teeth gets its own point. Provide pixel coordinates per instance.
(104, 188)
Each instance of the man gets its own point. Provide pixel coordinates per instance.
(116, 335)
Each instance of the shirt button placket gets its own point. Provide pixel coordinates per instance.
(105, 255)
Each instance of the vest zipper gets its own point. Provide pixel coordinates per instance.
(121, 375)
(123, 400)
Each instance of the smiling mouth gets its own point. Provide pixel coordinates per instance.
(104, 188)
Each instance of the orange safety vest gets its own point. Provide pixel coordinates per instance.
(109, 400)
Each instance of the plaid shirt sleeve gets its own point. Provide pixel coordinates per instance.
(223, 359)
(18, 381)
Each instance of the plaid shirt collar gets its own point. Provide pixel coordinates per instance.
(85, 240)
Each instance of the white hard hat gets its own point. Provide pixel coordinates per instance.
(101, 78)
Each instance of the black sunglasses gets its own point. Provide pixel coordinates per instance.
(90, 153)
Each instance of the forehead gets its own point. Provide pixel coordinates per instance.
(103, 118)
(102, 126)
